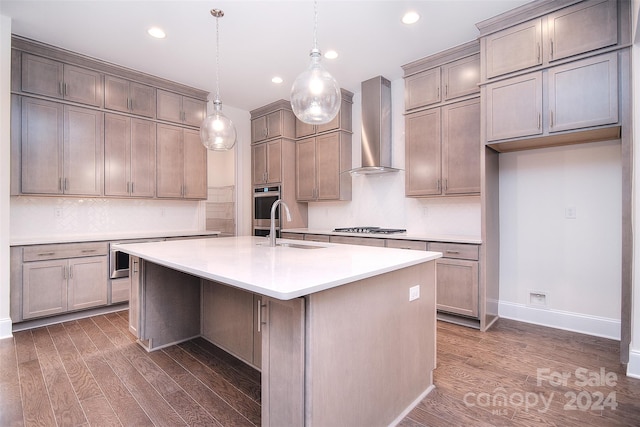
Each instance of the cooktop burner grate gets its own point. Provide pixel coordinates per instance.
(372, 230)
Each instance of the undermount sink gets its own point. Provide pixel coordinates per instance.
(293, 245)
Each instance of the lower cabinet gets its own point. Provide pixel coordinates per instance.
(233, 321)
(54, 279)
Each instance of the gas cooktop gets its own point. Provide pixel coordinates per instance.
(372, 230)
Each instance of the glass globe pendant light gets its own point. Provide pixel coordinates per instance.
(217, 131)
(315, 94)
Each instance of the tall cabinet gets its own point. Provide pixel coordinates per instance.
(554, 73)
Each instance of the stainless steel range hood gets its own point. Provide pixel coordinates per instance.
(376, 127)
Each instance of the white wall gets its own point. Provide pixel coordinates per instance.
(5, 107)
(575, 262)
(378, 200)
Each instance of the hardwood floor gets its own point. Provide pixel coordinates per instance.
(91, 372)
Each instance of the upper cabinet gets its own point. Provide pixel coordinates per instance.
(443, 77)
(558, 35)
(177, 108)
(43, 76)
(342, 121)
(129, 97)
(275, 120)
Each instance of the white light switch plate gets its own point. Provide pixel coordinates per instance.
(414, 292)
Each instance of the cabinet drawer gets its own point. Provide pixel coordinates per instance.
(455, 250)
(407, 244)
(120, 290)
(317, 238)
(292, 236)
(59, 251)
(363, 241)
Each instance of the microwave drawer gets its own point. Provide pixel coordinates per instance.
(455, 250)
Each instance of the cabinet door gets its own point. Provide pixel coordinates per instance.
(461, 147)
(44, 288)
(274, 124)
(573, 107)
(304, 129)
(328, 166)
(117, 155)
(228, 321)
(143, 158)
(87, 282)
(514, 49)
(514, 107)
(306, 169)
(134, 295)
(195, 166)
(461, 77)
(169, 106)
(259, 129)
(116, 94)
(423, 153)
(422, 89)
(83, 151)
(193, 111)
(41, 147)
(581, 28)
(457, 286)
(42, 76)
(274, 161)
(283, 363)
(170, 161)
(143, 99)
(259, 163)
(82, 85)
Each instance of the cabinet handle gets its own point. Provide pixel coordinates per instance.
(445, 184)
(60, 184)
(66, 184)
(266, 132)
(71, 272)
(64, 272)
(260, 322)
(132, 188)
(135, 264)
(551, 118)
(60, 89)
(551, 52)
(446, 90)
(539, 120)
(66, 89)
(539, 53)
(438, 185)
(46, 253)
(449, 251)
(438, 93)
(87, 251)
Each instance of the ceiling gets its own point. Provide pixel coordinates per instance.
(258, 39)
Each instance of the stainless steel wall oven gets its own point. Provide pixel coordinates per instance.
(263, 199)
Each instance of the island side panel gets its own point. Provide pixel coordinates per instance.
(370, 351)
(169, 306)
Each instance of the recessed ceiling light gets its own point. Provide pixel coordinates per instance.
(331, 54)
(410, 17)
(277, 80)
(156, 32)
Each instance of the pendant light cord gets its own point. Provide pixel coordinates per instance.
(315, 24)
(217, 60)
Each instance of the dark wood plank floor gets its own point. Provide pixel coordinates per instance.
(91, 372)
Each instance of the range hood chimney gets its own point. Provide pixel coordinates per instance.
(376, 127)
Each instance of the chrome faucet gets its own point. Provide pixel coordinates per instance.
(272, 231)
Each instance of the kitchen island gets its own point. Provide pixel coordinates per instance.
(347, 332)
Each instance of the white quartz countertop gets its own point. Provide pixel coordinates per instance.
(99, 237)
(282, 272)
(448, 238)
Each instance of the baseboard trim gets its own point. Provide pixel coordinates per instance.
(5, 328)
(633, 367)
(569, 321)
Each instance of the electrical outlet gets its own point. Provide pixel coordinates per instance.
(57, 212)
(538, 299)
(414, 292)
(570, 212)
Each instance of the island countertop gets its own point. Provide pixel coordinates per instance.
(282, 272)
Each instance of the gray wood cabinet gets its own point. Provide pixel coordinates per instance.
(568, 32)
(515, 105)
(272, 121)
(130, 156)
(177, 108)
(232, 321)
(442, 149)
(129, 97)
(61, 149)
(442, 83)
(342, 121)
(321, 165)
(181, 163)
(266, 160)
(58, 278)
(43, 76)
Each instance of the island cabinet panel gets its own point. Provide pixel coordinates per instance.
(581, 28)
(283, 363)
(130, 156)
(178, 108)
(129, 97)
(513, 49)
(514, 107)
(43, 76)
(362, 327)
(573, 107)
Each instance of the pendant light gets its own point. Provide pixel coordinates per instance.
(315, 94)
(217, 131)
